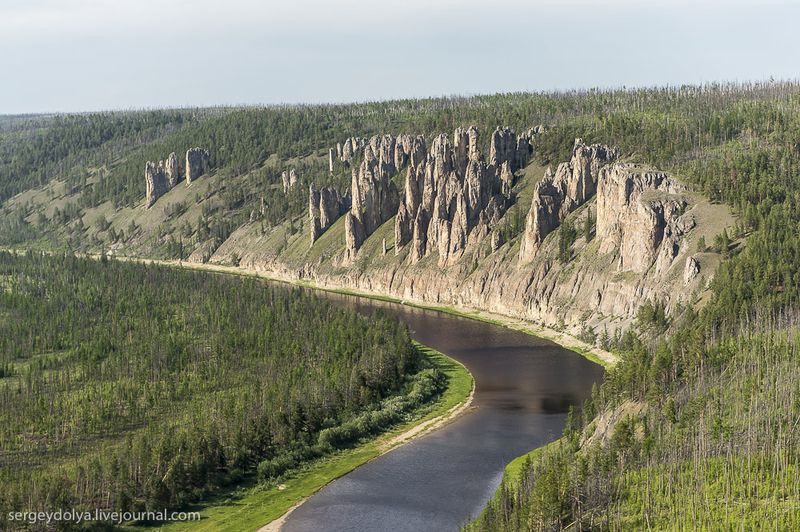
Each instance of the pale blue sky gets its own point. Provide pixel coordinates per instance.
(84, 55)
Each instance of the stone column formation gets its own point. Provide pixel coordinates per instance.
(197, 161)
(451, 196)
(640, 212)
(560, 193)
(324, 207)
(156, 184)
(289, 180)
(164, 175)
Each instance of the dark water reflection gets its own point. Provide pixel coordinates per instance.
(525, 386)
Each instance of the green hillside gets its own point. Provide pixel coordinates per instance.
(696, 425)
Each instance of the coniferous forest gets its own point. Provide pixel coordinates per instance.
(133, 386)
(153, 386)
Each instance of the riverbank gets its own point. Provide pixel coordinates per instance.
(254, 503)
(250, 507)
(567, 341)
(591, 352)
(512, 474)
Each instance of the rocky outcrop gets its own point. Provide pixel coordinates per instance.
(403, 227)
(454, 243)
(324, 207)
(640, 217)
(506, 179)
(160, 177)
(409, 149)
(349, 148)
(197, 163)
(171, 170)
(155, 182)
(288, 180)
(502, 147)
(451, 197)
(691, 270)
(375, 198)
(506, 146)
(560, 193)
(353, 236)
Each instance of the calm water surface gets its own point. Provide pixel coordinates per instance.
(524, 387)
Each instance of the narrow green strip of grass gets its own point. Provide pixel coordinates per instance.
(253, 505)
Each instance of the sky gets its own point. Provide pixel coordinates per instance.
(89, 55)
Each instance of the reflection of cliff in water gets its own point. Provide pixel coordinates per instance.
(559, 405)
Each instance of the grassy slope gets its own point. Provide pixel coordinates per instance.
(251, 506)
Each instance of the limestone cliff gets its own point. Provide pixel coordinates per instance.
(452, 212)
(451, 196)
(640, 217)
(197, 163)
(155, 180)
(324, 207)
(560, 193)
(374, 196)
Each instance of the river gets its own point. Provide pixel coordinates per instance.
(524, 387)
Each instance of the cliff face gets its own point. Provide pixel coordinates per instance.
(449, 209)
(155, 180)
(557, 195)
(197, 163)
(324, 208)
(640, 217)
(452, 197)
(374, 195)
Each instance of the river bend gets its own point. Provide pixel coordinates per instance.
(524, 388)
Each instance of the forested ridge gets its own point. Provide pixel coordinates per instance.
(664, 124)
(704, 404)
(127, 386)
